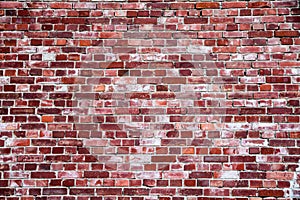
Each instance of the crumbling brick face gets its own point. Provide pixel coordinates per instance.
(167, 100)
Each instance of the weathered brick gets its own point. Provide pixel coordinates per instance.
(110, 35)
(191, 192)
(128, 99)
(216, 159)
(11, 4)
(182, 5)
(252, 111)
(234, 4)
(244, 192)
(109, 191)
(252, 175)
(201, 175)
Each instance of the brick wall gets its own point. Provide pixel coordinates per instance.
(149, 100)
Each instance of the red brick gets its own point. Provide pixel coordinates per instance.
(267, 34)
(252, 111)
(33, 126)
(22, 80)
(7, 191)
(195, 20)
(145, 21)
(163, 95)
(3, 111)
(61, 34)
(191, 192)
(11, 4)
(242, 159)
(282, 143)
(136, 191)
(216, 159)
(216, 192)
(62, 64)
(278, 79)
(20, 111)
(271, 193)
(259, 4)
(73, 20)
(49, 111)
(58, 158)
(279, 111)
(285, 4)
(234, 4)
(44, 142)
(111, 126)
(109, 191)
(96, 174)
(85, 5)
(61, 5)
(43, 175)
(182, 5)
(163, 158)
(70, 142)
(110, 35)
(287, 34)
(82, 191)
(244, 192)
(286, 41)
(208, 5)
(201, 175)
(54, 191)
(252, 175)
(194, 94)
(293, 19)
(221, 20)
(163, 191)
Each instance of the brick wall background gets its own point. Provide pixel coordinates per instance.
(149, 100)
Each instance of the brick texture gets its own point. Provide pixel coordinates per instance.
(144, 100)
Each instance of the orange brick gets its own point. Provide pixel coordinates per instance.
(61, 42)
(85, 42)
(189, 150)
(265, 87)
(47, 118)
(99, 88)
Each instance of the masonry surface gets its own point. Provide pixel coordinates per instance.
(149, 100)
